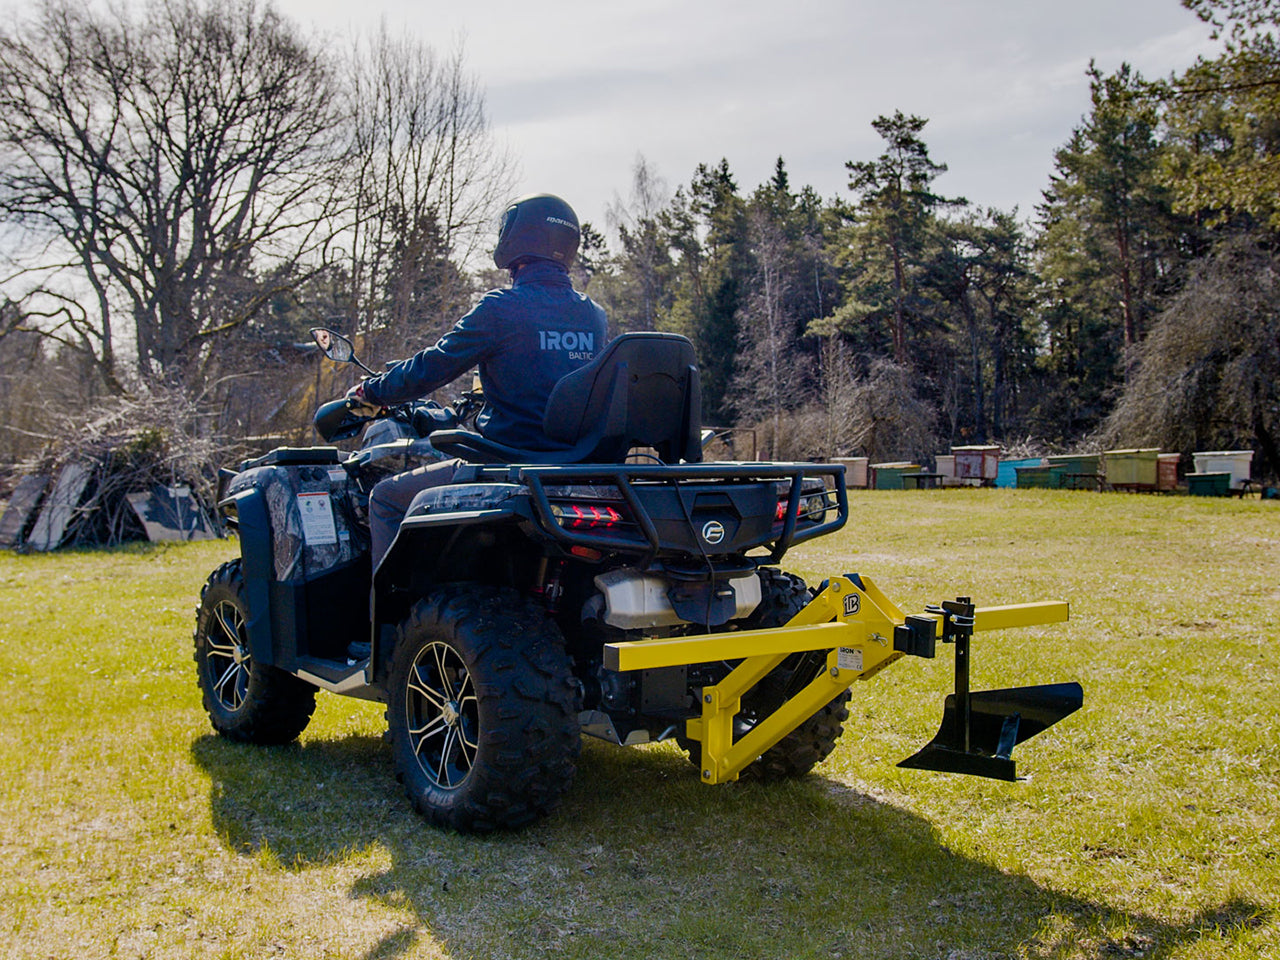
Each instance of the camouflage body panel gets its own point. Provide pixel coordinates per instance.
(313, 517)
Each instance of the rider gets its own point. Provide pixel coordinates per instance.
(523, 338)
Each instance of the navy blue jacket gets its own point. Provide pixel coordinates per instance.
(524, 339)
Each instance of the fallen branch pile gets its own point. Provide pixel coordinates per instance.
(79, 490)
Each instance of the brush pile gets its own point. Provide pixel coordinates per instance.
(140, 469)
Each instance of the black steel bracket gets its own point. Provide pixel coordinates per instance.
(917, 637)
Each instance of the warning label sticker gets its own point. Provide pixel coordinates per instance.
(318, 527)
(849, 658)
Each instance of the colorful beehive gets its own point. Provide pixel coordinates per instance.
(888, 476)
(1208, 484)
(1135, 469)
(1007, 470)
(1167, 471)
(1045, 476)
(1077, 463)
(1237, 463)
(1081, 471)
(977, 463)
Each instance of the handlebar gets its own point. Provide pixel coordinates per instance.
(336, 420)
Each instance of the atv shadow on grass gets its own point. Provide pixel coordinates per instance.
(643, 861)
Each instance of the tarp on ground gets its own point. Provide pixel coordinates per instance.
(171, 513)
(59, 506)
(21, 511)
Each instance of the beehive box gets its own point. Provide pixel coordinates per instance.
(855, 471)
(1045, 476)
(888, 476)
(1007, 470)
(977, 463)
(1077, 464)
(1238, 463)
(1132, 468)
(1208, 484)
(1082, 471)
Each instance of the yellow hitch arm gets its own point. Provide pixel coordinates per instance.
(854, 622)
(1018, 615)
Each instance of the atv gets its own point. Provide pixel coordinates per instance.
(618, 587)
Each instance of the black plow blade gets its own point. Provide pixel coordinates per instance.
(980, 730)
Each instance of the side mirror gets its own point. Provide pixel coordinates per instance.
(334, 345)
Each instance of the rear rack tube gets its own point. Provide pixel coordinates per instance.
(621, 476)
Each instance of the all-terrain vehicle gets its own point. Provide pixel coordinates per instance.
(620, 587)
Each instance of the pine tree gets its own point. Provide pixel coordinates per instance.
(894, 218)
(1110, 249)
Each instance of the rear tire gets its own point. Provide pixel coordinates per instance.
(246, 701)
(482, 709)
(783, 595)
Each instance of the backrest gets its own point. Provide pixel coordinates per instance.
(641, 391)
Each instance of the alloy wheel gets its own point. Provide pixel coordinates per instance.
(442, 715)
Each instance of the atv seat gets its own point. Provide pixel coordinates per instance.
(641, 391)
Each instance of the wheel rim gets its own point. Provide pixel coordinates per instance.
(442, 715)
(227, 660)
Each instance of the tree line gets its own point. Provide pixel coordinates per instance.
(1135, 307)
(196, 183)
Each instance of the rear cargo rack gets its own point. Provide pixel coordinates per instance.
(624, 476)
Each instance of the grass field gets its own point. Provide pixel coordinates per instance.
(1147, 827)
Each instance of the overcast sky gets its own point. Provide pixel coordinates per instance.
(579, 89)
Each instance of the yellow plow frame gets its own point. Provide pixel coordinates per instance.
(863, 631)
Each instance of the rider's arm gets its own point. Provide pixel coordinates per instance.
(470, 341)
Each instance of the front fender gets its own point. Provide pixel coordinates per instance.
(254, 524)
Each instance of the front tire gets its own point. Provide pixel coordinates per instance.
(246, 701)
(482, 709)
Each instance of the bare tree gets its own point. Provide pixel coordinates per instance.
(647, 261)
(426, 177)
(177, 155)
(769, 379)
(1208, 374)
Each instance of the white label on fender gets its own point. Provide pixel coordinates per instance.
(849, 658)
(317, 519)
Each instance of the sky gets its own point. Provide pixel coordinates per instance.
(578, 90)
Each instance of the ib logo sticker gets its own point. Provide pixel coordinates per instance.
(852, 604)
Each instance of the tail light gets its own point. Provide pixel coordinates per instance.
(588, 507)
(812, 506)
(586, 516)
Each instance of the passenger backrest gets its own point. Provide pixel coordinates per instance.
(641, 391)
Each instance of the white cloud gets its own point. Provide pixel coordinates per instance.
(579, 88)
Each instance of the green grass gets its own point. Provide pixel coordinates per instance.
(1147, 827)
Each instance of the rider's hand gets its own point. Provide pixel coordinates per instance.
(357, 403)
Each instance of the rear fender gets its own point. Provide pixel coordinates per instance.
(417, 558)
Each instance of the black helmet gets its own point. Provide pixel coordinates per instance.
(540, 226)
